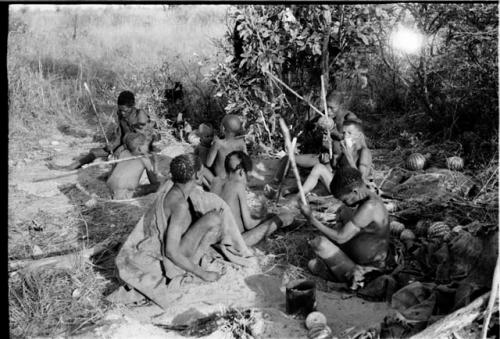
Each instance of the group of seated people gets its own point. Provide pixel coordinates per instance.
(204, 204)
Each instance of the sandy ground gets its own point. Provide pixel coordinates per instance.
(256, 287)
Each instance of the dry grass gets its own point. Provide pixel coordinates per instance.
(140, 48)
(54, 302)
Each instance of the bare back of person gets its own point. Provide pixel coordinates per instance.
(229, 192)
(126, 176)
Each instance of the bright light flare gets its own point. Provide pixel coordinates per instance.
(407, 40)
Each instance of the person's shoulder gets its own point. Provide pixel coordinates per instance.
(372, 204)
(174, 201)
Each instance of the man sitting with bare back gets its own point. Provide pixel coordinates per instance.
(125, 177)
(169, 241)
(233, 190)
(231, 127)
(361, 236)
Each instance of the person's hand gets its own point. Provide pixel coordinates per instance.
(215, 212)
(211, 276)
(305, 209)
(324, 158)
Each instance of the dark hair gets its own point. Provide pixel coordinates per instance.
(245, 162)
(126, 98)
(183, 167)
(345, 180)
(354, 123)
(133, 141)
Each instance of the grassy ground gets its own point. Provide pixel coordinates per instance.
(51, 54)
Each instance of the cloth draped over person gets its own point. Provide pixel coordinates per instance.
(142, 263)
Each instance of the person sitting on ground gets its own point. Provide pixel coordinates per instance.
(175, 234)
(355, 154)
(233, 190)
(128, 119)
(330, 140)
(206, 134)
(361, 237)
(339, 114)
(231, 127)
(125, 177)
(182, 127)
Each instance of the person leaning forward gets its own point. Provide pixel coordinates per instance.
(128, 119)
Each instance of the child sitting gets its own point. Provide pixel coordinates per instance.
(231, 127)
(354, 154)
(233, 191)
(126, 175)
(360, 239)
(206, 135)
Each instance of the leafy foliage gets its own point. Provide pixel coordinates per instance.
(446, 91)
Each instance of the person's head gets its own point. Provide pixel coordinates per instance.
(185, 168)
(333, 103)
(142, 121)
(238, 164)
(126, 101)
(353, 131)
(347, 185)
(136, 143)
(206, 133)
(231, 125)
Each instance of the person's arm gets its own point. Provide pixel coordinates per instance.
(347, 154)
(351, 116)
(365, 163)
(150, 171)
(172, 242)
(212, 154)
(362, 218)
(117, 136)
(248, 221)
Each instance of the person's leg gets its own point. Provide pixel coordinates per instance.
(319, 172)
(266, 228)
(200, 235)
(123, 194)
(340, 265)
(302, 160)
(207, 177)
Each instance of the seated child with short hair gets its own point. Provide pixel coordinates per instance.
(360, 239)
(206, 135)
(126, 175)
(233, 191)
(231, 127)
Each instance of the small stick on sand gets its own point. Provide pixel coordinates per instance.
(291, 156)
(92, 165)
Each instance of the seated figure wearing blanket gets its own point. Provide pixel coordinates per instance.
(173, 236)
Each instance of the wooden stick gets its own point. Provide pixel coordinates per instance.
(91, 165)
(291, 157)
(293, 92)
(97, 114)
(63, 261)
(287, 168)
(323, 95)
(493, 297)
